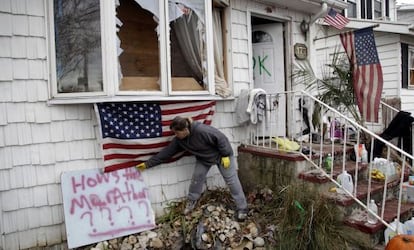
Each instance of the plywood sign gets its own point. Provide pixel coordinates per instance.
(100, 206)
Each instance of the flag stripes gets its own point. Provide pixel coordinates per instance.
(133, 132)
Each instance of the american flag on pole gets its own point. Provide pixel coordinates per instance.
(133, 132)
(335, 19)
(366, 70)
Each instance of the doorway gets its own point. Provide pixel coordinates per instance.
(268, 47)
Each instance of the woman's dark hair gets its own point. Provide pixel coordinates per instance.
(180, 123)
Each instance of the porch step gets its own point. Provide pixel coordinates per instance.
(362, 192)
(354, 216)
(316, 176)
(362, 225)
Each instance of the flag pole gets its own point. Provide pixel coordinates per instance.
(324, 37)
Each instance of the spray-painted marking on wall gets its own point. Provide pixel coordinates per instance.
(261, 65)
(100, 206)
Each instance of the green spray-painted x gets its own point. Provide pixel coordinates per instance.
(261, 65)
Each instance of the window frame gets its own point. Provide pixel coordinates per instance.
(410, 67)
(111, 83)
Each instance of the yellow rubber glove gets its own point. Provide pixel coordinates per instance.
(141, 167)
(225, 162)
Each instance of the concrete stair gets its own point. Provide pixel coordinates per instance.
(354, 216)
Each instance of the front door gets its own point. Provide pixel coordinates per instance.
(269, 70)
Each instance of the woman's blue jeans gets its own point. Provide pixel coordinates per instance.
(230, 177)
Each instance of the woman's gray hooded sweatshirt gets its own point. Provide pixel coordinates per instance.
(205, 142)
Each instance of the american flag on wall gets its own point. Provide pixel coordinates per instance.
(366, 70)
(133, 132)
(335, 19)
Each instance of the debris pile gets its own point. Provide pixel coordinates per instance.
(212, 225)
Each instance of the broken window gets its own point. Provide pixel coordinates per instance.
(157, 48)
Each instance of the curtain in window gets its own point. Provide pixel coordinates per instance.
(190, 33)
(222, 88)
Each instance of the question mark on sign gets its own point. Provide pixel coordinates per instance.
(109, 214)
(130, 213)
(90, 219)
(146, 206)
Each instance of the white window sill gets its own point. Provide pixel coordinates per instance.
(82, 100)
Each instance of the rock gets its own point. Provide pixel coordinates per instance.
(132, 240)
(156, 243)
(211, 208)
(152, 234)
(258, 242)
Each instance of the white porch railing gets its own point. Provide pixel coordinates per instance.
(264, 133)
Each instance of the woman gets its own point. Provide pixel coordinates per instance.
(210, 147)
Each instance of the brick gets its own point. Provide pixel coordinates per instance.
(9, 201)
(27, 238)
(6, 66)
(24, 133)
(16, 180)
(40, 196)
(45, 174)
(18, 47)
(6, 27)
(18, 7)
(9, 222)
(11, 136)
(29, 176)
(15, 112)
(36, 69)
(20, 25)
(4, 180)
(37, 26)
(25, 197)
(54, 194)
(21, 155)
(35, 8)
(20, 69)
(47, 154)
(41, 133)
(170, 191)
(5, 45)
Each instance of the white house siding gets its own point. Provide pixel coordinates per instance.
(405, 13)
(38, 142)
